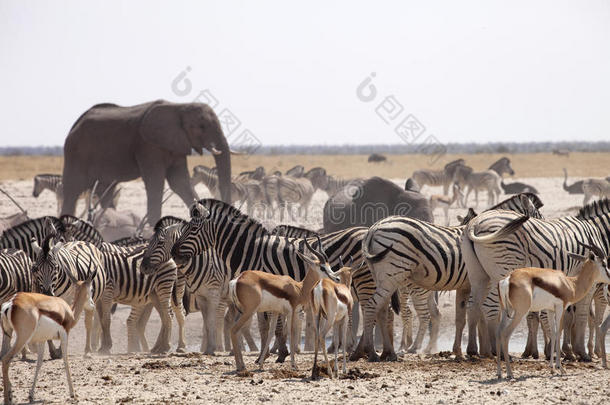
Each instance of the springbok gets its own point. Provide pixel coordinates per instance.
(256, 291)
(36, 318)
(333, 302)
(536, 289)
(444, 202)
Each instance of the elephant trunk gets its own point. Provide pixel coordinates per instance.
(223, 163)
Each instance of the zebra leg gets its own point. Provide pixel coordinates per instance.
(133, 342)
(141, 326)
(265, 347)
(180, 318)
(580, 326)
(600, 308)
(461, 299)
(546, 332)
(229, 320)
(420, 302)
(567, 334)
(531, 347)
(601, 337)
(53, 352)
(309, 332)
(387, 332)
(480, 285)
(280, 335)
(279, 327)
(162, 305)
(203, 308)
(88, 330)
(435, 323)
(407, 320)
(103, 307)
(210, 323)
(263, 327)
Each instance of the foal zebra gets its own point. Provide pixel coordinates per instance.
(437, 177)
(244, 244)
(403, 251)
(500, 241)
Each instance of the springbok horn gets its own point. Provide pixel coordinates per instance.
(90, 199)
(14, 202)
(341, 261)
(595, 249)
(317, 254)
(321, 249)
(215, 151)
(351, 262)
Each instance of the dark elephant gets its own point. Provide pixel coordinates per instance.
(364, 202)
(110, 143)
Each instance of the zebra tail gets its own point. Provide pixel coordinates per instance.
(186, 301)
(376, 258)
(395, 303)
(506, 230)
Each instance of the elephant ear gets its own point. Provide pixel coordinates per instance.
(162, 126)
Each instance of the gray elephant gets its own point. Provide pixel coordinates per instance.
(110, 143)
(364, 202)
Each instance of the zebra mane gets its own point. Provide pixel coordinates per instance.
(47, 175)
(220, 209)
(38, 223)
(167, 221)
(281, 230)
(85, 228)
(533, 198)
(594, 209)
(46, 243)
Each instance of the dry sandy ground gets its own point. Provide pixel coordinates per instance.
(180, 378)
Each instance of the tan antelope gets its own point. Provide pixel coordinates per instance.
(256, 291)
(444, 202)
(536, 289)
(333, 302)
(36, 318)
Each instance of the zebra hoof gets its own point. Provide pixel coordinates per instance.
(388, 356)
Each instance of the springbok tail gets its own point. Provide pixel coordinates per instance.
(233, 294)
(506, 230)
(503, 295)
(5, 318)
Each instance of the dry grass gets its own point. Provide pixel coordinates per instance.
(347, 166)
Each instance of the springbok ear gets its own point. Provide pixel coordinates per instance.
(577, 257)
(460, 218)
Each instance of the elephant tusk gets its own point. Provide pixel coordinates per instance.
(234, 152)
(215, 151)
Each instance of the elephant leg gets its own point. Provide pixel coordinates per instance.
(179, 181)
(73, 185)
(153, 179)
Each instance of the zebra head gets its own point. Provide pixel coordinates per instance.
(45, 267)
(195, 237)
(160, 246)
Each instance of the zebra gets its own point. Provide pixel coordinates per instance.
(51, 182)
(52, 263)
(437, 177)
(205, 275)
(403, 251)
(294, 191)
(334, 185)
(243, 243)
(20, 236)
(497, 242)
(128, 284)
(15, 277)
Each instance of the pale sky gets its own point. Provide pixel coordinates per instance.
(470, 71)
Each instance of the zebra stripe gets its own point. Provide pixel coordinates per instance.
(20, 236)
(244, 244)
(537, 243)
(414, 253)
(51, 182)
(15, 275)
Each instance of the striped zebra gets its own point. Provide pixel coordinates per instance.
(53, 262)
(244, 244)
(206, 277)
(15, 276)
(51, 182)
(20, 236)
(293, 191)
(333, 185)
(427, 177)
(500, 241)
(403, 251)
(139, 288)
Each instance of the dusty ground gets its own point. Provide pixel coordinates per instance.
(181, 378)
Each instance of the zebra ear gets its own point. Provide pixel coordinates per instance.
(56, 247)
(35, 246)
(577, 257)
